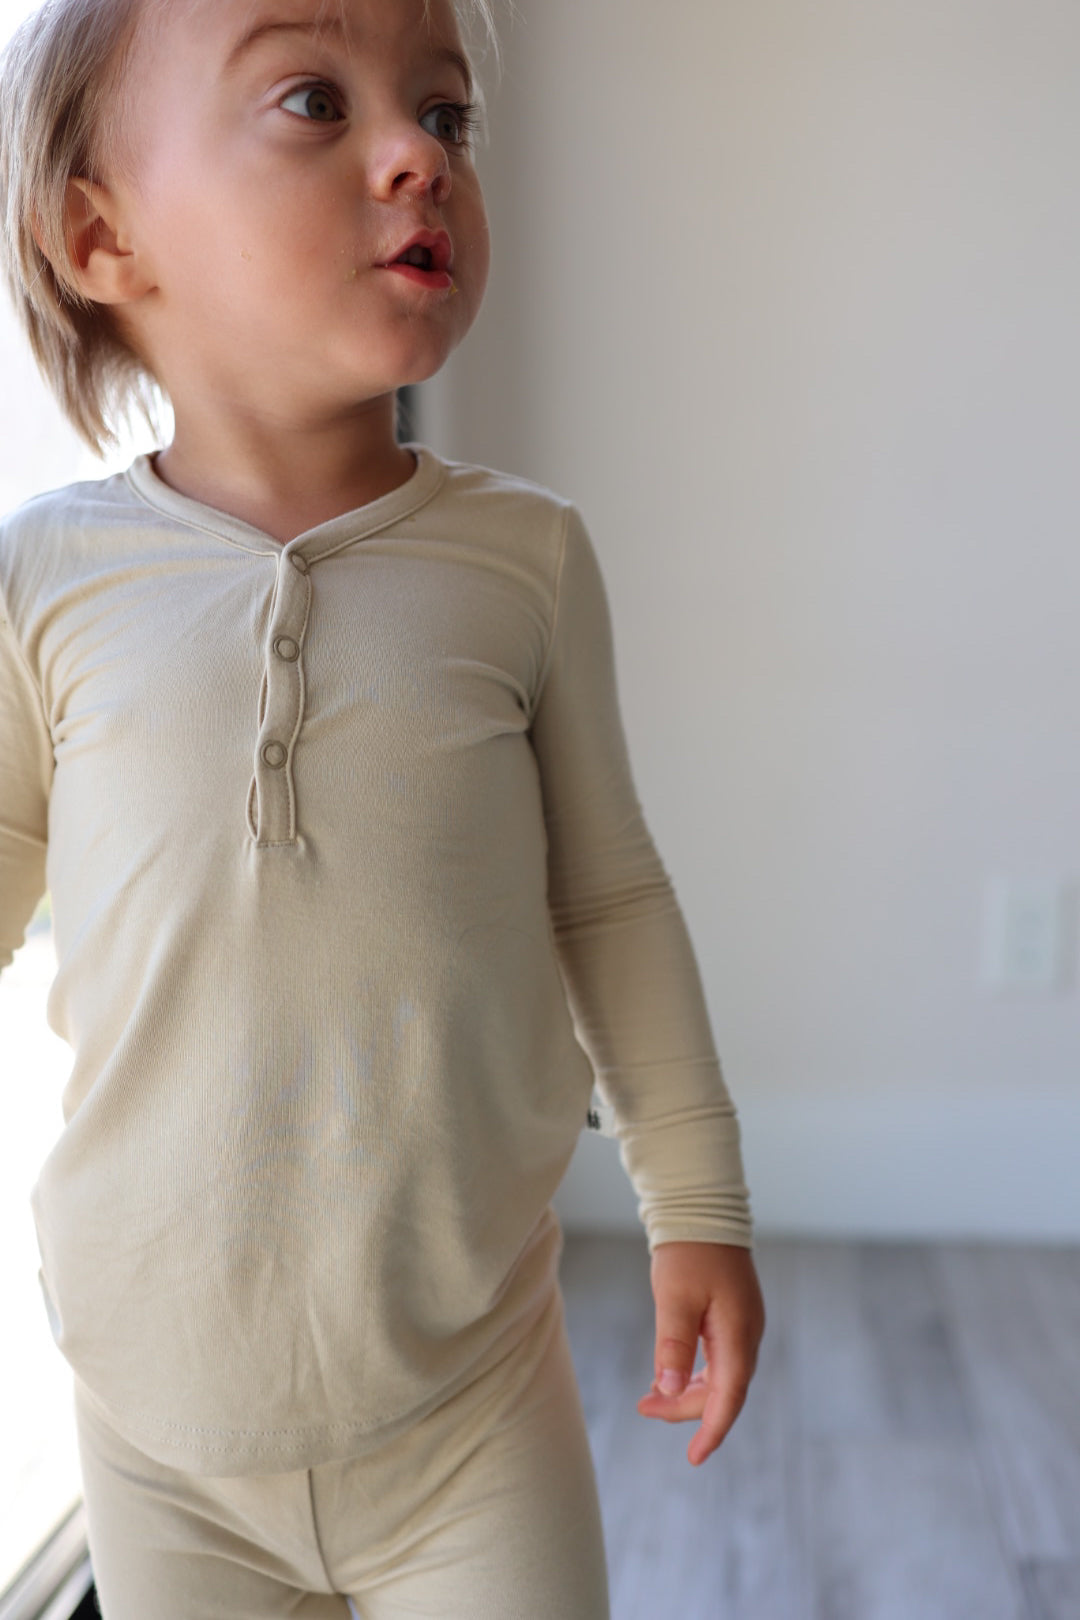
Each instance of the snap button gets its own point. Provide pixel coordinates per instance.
(299, 561)
(287, 648)
(275, 754)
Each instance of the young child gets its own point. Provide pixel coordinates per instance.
(313, 737)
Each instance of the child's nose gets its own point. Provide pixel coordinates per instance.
(414, 163)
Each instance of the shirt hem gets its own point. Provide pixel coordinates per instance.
(227, 1453)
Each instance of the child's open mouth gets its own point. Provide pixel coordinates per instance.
(425, 259)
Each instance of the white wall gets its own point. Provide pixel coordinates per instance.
(788, 299)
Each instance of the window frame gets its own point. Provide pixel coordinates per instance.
(55, 1580)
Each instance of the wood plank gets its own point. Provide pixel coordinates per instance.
(1052, 1587)
(903, 1530)
(1016, 1320)
(875, 1353)
(609, 1313)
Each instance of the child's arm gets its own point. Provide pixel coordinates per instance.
(25, 775)
(635, 992)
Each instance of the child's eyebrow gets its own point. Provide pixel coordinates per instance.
(455, 59)
(331, 25)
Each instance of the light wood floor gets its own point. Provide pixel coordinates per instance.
(909, 1450)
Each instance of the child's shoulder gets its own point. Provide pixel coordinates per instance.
(48, 527)
(66, 499)
(513, 518)
(488, 486)
(88, 500)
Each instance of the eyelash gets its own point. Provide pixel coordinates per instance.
(468, 116)
(467, 113)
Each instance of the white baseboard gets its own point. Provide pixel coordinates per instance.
(914, 1166)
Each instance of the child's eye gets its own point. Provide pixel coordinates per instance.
(451, 121)
(314, 101)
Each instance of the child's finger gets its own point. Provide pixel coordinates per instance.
(721, 1409)
(690, 1403)
(698, 1381)
(678, 1327)
(717, 1404)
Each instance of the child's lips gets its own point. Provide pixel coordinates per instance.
(432, 279)
(425, 258)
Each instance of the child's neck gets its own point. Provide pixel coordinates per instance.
(287, 478)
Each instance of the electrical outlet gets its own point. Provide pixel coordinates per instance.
(1026, 934)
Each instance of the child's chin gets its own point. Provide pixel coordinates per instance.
(423, 369)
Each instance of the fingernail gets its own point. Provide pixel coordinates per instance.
(671, 1382)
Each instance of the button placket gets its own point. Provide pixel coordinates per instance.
(272, 804)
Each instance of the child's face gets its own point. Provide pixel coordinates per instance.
(279, 168)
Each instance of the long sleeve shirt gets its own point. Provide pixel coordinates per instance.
(353, 901)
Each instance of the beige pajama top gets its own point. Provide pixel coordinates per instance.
(352, 898)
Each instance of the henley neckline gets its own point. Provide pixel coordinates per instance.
(419, 488)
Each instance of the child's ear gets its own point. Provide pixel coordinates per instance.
(103, 262)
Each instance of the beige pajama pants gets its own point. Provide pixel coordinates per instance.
(486, 1510)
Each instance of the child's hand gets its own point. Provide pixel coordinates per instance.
(709, 1290)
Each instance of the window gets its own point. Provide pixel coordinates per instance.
(39, 1476)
